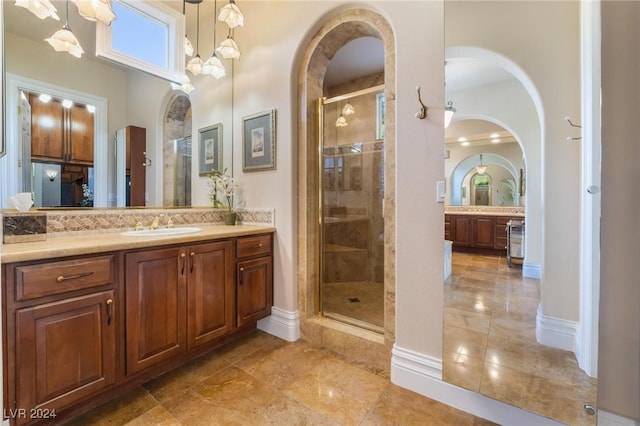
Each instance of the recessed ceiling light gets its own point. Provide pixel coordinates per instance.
(465, 143)
(496, 140)
(67, 103)
(91, 109)
(44, 98)
(462, 139)
(494, 135)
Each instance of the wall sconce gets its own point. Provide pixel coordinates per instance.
(449, 110)
(51, 174)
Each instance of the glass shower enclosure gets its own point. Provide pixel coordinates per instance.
(351, 218)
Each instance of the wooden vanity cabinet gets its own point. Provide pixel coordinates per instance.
(484, 231)
(478, 232)
(254, 278)
(176, 299)
(61, 333)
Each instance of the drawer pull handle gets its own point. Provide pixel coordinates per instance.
(241, 275)
(193, 260)
(73, 277)
(257, 246)
(109, 310)
(184, 261)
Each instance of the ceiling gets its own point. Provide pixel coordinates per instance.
(358, 58)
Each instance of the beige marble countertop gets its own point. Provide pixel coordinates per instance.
(484, 213)
(59, 246)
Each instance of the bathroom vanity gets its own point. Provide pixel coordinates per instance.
(88, 317)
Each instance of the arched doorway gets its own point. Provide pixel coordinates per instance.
(337, 31)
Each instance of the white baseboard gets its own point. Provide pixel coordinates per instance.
(532, 270)
(282, 324)
(423, 374)
(556, 332)
(609, 419)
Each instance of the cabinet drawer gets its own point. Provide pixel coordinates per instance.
(253, 246)
(45, 279)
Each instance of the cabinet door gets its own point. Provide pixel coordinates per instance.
(210, 293)
(461, 230)
(155, 303)
(46, 130)
(484, 231)
(255, 289)
(80, 136)
(65, 350)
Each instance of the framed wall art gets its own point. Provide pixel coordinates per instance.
(210, 149)
(259, 141)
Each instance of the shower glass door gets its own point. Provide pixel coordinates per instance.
(351, 200)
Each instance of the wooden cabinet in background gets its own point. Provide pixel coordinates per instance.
(473, 232)
(58, 134)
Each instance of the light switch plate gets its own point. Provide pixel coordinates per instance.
(440, 191)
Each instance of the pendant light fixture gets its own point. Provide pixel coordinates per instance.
(231, 15)
(341, 121)
(449, 110)
(213, 66)
(228, 49)
(481, 168)
(348, 109)
(188, 47)
(64, 41)
(185, 86)
(41, 8)
(96, 10)
(195, 65)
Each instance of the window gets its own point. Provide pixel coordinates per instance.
(146, 36)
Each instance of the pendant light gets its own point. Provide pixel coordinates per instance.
(228, 49)
(195, 64)
(449, 110)
(96, 10)
(41, 8)
(188, 47)
(348, 109)
(341, 121)
(213, 66)
(481, 168)
(186, 85)
(64, 41)
(231, 15)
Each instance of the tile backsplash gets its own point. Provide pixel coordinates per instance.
(21, 227)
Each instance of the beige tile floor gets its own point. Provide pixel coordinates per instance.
(262, 380)
(490, 344)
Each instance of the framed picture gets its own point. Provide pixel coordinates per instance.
(210, 149)
(259, 141)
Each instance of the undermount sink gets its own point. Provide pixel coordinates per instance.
(161, 232)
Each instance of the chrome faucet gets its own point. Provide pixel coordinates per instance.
(170, 221)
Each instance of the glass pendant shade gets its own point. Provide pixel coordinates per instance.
(449, 110)
(64, 41)
(41, 8)
(95, 10)
(228, 49)
(188, 47)
(231, 15)
(195, 65)
(481, 168)
(341, 121)
(186, 85)
(348, 109)
(214, 67)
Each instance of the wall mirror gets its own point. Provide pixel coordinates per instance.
(490, 342)
(122, 97)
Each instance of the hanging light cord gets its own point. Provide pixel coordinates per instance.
(215, 11)
(198, 32)
(66, 22)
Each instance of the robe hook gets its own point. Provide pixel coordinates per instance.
(422, 114)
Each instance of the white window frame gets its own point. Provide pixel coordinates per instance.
(155, 10)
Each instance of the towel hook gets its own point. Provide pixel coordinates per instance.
(422, 114)
(569, 138)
